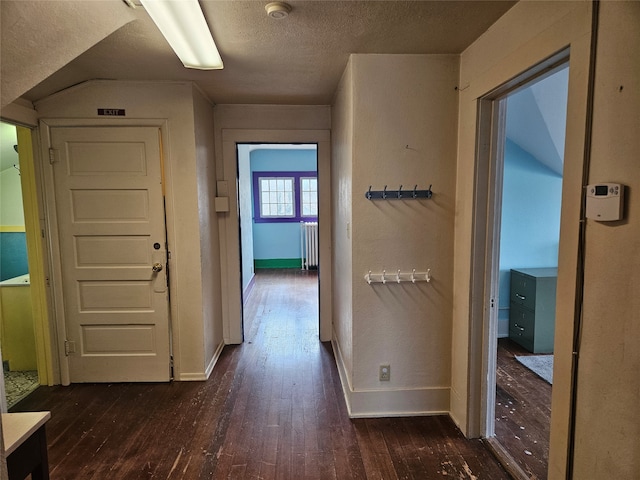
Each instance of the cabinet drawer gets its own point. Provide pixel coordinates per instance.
(522, 326)
(522, 319)
(523, 290)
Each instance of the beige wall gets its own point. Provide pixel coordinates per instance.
(341, 186)
(170, 105)
(607, 415)
(209, 234)
(404, 133)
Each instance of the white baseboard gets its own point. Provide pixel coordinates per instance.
(342, 372)
(214, 359)
(192, 377)
(202, 376)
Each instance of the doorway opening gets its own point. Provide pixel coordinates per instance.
(535, 127)
(278, 208)
(525, 123)
(20, 268)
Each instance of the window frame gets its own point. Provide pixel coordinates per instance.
(297, 196)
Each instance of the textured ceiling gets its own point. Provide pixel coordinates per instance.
(297, 60)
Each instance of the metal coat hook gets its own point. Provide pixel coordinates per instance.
(400, 192)
(368, 195)
(384, 276)
(384, 192)
(17, 168)
(368, 277)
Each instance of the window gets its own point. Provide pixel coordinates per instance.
(309, 196)
(276, 197)
(285, 196)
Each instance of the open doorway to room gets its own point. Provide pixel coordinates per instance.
(532, 155)
(17, 323)
(278, 206)
(521, 131)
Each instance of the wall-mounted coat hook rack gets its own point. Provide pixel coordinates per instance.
(399, 194)
(398, 277)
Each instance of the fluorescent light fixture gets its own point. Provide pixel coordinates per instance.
(183, 25)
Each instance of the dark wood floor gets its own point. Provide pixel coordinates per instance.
(523, 411)
(273, 408)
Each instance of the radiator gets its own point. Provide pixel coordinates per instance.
(309, 244)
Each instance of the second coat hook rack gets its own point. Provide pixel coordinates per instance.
(399, 194)
(398, 277)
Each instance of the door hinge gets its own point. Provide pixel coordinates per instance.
(52, 156)
(69, 347)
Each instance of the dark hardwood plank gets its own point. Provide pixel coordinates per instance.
(272, 409)
(523, 411)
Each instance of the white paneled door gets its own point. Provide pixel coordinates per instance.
(111, 224)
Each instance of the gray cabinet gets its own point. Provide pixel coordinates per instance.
(532, 308)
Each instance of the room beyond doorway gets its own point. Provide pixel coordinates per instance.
(19, 302)
(231, 229)
(278, 209)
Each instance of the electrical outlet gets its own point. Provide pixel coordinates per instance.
(385, 373)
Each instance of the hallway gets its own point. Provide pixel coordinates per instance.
(272, 408)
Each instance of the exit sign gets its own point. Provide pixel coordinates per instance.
(111, 112)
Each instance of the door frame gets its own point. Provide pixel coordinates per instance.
(37, 254)
(52, 232)
(487, 212)
(230, 225)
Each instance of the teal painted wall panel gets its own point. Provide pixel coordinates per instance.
(13, 255)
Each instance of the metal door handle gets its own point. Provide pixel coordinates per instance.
(521, 297)
(157, 267)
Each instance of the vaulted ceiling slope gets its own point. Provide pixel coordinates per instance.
(38, 38)
(537, 117)
(296, 60)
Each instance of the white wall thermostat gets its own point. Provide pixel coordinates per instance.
(605, 201)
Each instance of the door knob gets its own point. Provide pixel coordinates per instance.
(157, 267)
